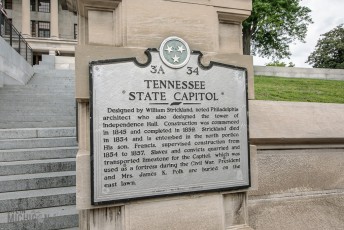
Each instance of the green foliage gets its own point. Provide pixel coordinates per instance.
(276, 63)
(273, 25)
(291, 64)
(329, 51)
(296, 89)
(280, 64)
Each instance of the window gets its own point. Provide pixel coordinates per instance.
(44, 29)
(33, 29)
(33, 5)
(40, 5)
(75, 31)
(44, 6)
(40, 29)
(8, 4)
(37, 57)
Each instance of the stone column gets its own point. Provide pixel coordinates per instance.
(125, 29)
(54, 19)
(26, 30)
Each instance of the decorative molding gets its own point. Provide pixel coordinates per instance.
(78, 6)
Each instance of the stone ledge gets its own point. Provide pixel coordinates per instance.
(280, 122)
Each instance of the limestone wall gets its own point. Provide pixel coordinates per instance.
(213, 27)
(300, 163)
(293, 72)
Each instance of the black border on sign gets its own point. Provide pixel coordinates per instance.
(143, 65)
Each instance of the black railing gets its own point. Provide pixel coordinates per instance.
(14, 38)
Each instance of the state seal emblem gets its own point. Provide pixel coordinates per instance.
(174, 52)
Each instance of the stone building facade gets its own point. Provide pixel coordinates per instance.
(46, 25)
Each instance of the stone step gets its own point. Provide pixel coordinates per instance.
(55, 84)
(37, 143)
(42, 67)
(17, 93)
(38, 91)
(51, 85)
(13, 183)
(24, 101)
(35, 104)
(56, 72)
(36, 166)
(37, 154)
(61, 217)
(37, 124)
(30, 97)
(34, 97)
(63, 74)
(37, 133)
(59, 75)
(27, 110)
(34, 199)
(47, 61)
(64, 59)
(39, 88)
(36, 84)
(69, 66)
(45, 116)
(19, 96)
(42, 112)
(46, 80)
(49, 103)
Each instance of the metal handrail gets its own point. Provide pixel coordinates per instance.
(15, 39)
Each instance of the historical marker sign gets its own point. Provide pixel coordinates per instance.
(169, 126)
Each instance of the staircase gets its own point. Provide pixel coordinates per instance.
(37, 152)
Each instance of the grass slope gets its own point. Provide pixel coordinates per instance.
(296, 89)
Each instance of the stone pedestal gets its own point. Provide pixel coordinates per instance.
(125, 29)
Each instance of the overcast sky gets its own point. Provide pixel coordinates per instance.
(326, 15)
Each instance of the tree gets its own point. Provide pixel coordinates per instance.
(329, 51)
(273, 25)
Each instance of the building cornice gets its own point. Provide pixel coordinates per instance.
(48, 44)
(79, 6)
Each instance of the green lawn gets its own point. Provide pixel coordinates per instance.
(293, 89)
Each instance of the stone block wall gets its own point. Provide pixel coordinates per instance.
(294, 72)
(300, 163)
